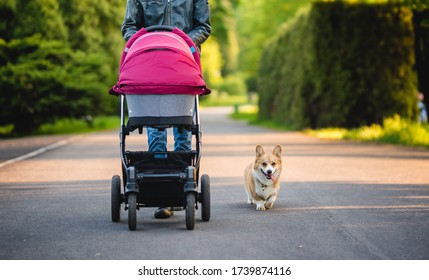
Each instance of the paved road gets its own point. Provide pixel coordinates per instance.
(338, 200)
(16, 149)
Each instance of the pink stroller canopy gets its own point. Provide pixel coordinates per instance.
(160, 62)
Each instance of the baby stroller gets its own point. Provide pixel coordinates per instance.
(160, 80)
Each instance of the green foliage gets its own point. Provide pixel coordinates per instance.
(397, 130)
(7, 14)
(420, 10)
(340, 64)
(418, 5)
(94, 26)
(257, 22)
(283, 73)
(67, 126)
(44, 80)
(224, 33)
(234, 85)
(57, 59)
(217, 98)
(211, 63)
(393, 130)
(41, 16)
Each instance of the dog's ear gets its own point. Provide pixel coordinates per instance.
(259, 151)
(278, 151)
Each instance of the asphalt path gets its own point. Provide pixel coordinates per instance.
(338, 201)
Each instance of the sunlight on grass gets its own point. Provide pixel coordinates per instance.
(365, 133)
(6, 129)
(249, 113)
(328, 133)
(400, 131)
(394, 130)
(245, 112)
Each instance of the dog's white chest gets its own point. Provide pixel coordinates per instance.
(263, 187)
(264, 191)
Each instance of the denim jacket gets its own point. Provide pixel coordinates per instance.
(191, 16)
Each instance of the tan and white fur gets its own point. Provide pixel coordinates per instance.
(261, 178)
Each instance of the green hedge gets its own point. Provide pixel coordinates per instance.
(41, 81)
(340, 64)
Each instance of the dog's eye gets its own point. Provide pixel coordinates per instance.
(264, 164)
(273, 163)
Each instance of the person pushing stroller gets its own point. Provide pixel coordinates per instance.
(193, 18)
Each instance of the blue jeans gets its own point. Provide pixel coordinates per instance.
(157, 140)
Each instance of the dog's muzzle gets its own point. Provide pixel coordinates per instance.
(269, 174)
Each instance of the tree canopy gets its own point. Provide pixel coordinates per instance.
(59, 57)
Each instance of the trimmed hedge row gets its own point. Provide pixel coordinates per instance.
(340, 64)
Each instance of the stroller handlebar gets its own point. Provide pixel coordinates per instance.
(155, 28)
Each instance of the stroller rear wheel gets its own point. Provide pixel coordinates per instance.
(116, 198)
(132, 211)
(190, 210)
(205, 198)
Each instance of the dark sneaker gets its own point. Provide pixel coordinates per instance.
(163, 213)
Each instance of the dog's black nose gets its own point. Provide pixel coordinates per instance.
(269, 171)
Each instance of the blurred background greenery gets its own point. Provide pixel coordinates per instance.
(301, 63)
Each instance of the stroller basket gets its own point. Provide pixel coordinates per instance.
(159, 180)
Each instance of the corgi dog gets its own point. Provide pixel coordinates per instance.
(261, 178)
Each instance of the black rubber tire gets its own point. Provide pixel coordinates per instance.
(205, 197)
(116, 198)
(132, 211)
(190, 210)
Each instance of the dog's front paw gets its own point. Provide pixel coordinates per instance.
(260, 206)
(270, 202)
(269, 205)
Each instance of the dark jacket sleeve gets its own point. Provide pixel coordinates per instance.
(201, 25)
(133, 20)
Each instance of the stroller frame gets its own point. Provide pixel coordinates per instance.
(160, 179)
(171, 181)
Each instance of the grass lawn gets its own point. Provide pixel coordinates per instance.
(71, 126)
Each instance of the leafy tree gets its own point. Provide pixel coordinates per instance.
(94, 26)
(39, 16)
(7, 14)
(46, 80)
(257, 22)
(344, 65)
(224, 33)
(220, 52)
(57, 59)
(421, 46)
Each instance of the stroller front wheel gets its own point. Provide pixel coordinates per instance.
(116, 198)
(190, 210)
(205, 198)
(132, 211)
